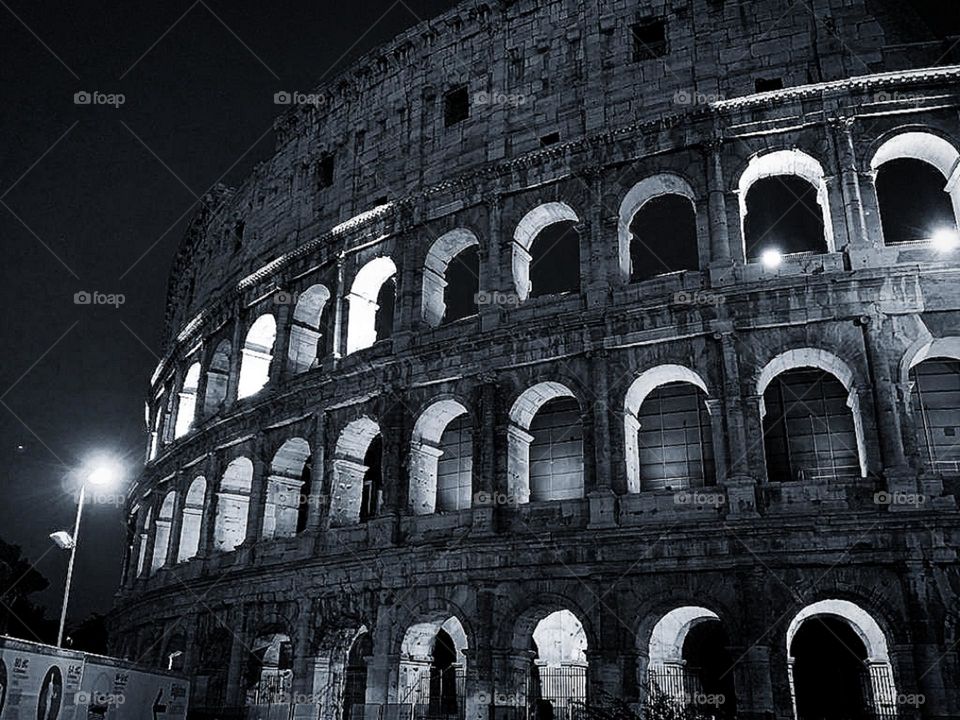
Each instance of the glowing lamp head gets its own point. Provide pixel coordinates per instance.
(103, 472)
(771, 258)
(62, 539)
(945, 240)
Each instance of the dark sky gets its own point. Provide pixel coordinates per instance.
(198, 80)
(97, 188)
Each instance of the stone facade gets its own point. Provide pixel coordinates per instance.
(253, 518)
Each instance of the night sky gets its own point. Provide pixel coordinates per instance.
(73, 378)
(97, 198)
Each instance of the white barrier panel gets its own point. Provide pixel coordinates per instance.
(38, 682)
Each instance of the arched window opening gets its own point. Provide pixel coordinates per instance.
(371, 304)
(156, 437)
(441, 459)
(808, 428)
(211, 673)
(192, 519)
(433, 668)
(545, 445)
(451, 278)
(463, 285)
(839, 664)
(161, 532)
(918, 187)
(285, 492)
(270, 671)
(555, 260)
(674, 439)
(935, 402)
(145, 529)
(689, 668)
(218, 378)
(556, 452)
(372, 497)
(356, 485)
(663, 238)
(233, 502)
(784, 206)
(558, 678)
(355, 675)
(307, 343)
(187, 404)
(783, 215)
(546, 251)
(913, 204)
(257, 356)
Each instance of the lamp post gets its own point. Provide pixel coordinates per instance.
(101, 474)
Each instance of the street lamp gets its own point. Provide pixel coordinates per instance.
(101, 474)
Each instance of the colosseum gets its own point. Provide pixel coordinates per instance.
(570, 358)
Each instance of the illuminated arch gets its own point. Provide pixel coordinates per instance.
(361, 323)
(233, 502)
(191, 522)
(526, 232)
(187, 402)
(441, 253)
(257, 355)
(349, 471)
(426, 449)
(304, 347)
(638, 196)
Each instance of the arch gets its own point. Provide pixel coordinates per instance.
(161, 531)
(945, 347)
(364, 302)
(233, 501)
(531, 225)
(829, 363)
(269, 670)
(877, 672)
(644, 384)
(257, 355)
(638, 196)
(933, 151)
(519, 438)
(289, 471)
(305, 348)
(187, 403)
(558, 675)
(145, 528)
(218, 378)
(193, 505)
(445, 248)
(778, 163)
(934, 382)
(427, 447)
(433, 664)
(355, 671)
(688, 661)
(353, 481)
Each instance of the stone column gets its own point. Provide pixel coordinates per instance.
(882, 366)
(598, 268)
(842, 138)
(721, 258)
(754, 660)
(740, 480)
(484, 453)
(319, 498)
(339, 336)
(491, 278)
(181, 482)
(236, 353)
(205, 355)
(259, 487)
(281, 345)
(208, 520)
(601, 496)
(235, 667)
